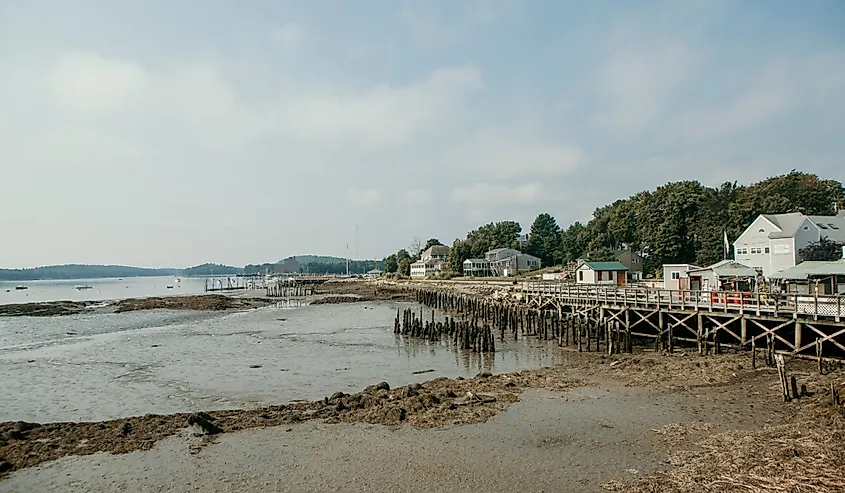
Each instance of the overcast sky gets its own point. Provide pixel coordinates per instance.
(172, 133)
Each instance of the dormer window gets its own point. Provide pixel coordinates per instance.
(822, 226)
(833, 226)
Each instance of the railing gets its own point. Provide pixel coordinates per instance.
(782, 304)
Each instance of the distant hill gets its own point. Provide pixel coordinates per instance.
(78, 271)
(212, 269)
(317, 259)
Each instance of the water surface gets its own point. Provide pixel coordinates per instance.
(102, 366)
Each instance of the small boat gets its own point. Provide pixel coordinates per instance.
(81, 287)
(169, 287)
(21, 287)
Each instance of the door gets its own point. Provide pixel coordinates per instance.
(695, 283)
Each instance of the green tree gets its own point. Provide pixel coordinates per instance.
(824, 250)
(430, 243)
(574, 242)
(390, 263)
(545, 242)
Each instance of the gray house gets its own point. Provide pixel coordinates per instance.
(773, 241)
(510, 262)
(476, 267)
(633, 261)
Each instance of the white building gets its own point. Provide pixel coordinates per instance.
(773, 241)
(476, 267)
(431, 263)
(675, 276)
(726, 275)
(611, 273)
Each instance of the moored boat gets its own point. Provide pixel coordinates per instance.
(81, 287)
(21, 287)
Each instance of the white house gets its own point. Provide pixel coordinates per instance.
(726, 275)
(773, 241)
(435, 253)
(427, 268)
(476, 267)
(431, 263)
(675, 276)
(613, 273)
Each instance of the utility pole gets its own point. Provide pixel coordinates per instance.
(347, 260)
(357, 256)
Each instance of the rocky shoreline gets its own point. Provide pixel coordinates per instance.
(435, 403)
(208, 302)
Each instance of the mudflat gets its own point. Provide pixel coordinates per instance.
(627, 423)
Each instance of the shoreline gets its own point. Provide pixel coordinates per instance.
(443, 403)
(202, 302)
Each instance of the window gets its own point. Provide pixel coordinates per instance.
(821, 225)
(756, 250)
(676, 275)
(766, 250)
(580, 275)
(833, 226)
(742, 251)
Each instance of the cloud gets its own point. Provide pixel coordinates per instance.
(364, 197)
(510, 153)
(489, 194)
(636, 84)
(290, 37)
(780, 86)
(89, 84)
(416, 197)
(425, 23)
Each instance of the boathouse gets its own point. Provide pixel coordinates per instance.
(614, 273)
(726, 275)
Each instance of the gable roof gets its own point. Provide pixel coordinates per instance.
(606, 265)
(831, 226)
(728, 268)
(812, 268)
(436, 250)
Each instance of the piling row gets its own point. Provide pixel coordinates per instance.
(515, 320)
(465, 334)
(291, 290)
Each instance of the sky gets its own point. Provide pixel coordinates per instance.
(161, 133)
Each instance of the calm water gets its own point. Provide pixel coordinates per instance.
(101, 289)
(101, 366)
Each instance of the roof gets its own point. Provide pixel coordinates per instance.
(436, 250)
(787, 223)
(831, 226)
(375, 271)
(728, 268)
(606, 265)
(475, 260)
(812, 268)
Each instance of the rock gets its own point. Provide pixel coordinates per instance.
(206, 424)
(396, 414)
(340, 407)
(126, 429)
(485, 397)
(255, 366)
(377, 387)
(420, 372)
(336, 396)
(4, 465)
(485, 374)
(16, 435)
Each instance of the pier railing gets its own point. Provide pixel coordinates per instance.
(778, 304)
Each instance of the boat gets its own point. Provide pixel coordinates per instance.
(81, 287)
(169, 287)
(21, 287)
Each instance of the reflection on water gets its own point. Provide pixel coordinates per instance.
(101, 366)
(101, 289)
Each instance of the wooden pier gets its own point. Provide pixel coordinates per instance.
(787, 323)
(293, 287)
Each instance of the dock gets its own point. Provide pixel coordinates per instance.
(811, 326)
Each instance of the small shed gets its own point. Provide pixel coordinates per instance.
(614, 273)
(675, 276)
(727, 275)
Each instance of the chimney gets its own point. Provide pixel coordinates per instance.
(843, 253)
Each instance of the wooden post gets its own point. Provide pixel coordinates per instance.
(628, 347)
(743, 332)
(754, 353)
(797, 337)
(819, 356)
(782, 374)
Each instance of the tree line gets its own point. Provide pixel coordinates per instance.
(679, 222)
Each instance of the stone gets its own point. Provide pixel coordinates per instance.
(377, 387)
(485, 374)
(336, 396)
